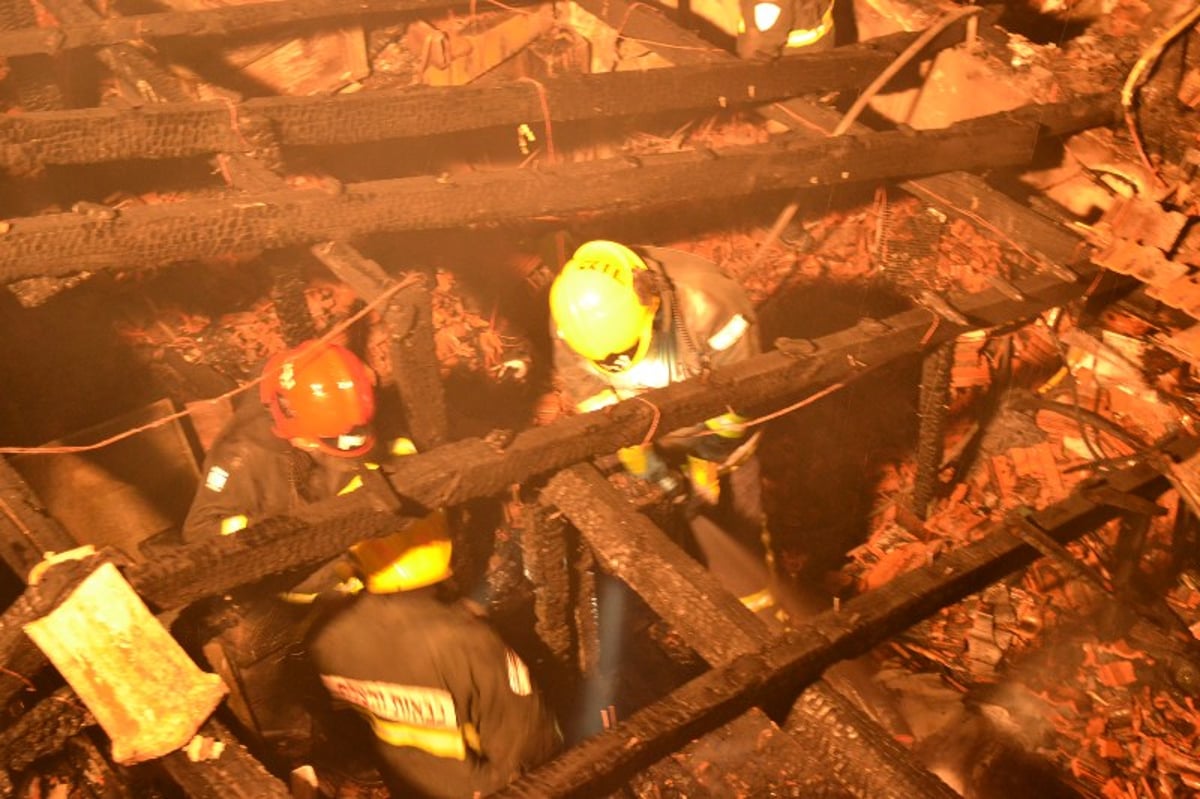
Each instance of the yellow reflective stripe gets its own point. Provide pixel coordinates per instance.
(597, 401)
(759, 600)
(727, 425)
(231, 524)
(352, 486)
(447, 743)
(803, 37)
(634, 458)
(404, 446)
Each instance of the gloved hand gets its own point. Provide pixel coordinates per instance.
(704, 475)
(643, 461)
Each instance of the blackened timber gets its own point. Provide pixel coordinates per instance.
(797, 658)
(220, 21)
(473, 468)
(20, 660)
(675, 586)
(35, 77)
(27, 531)
(152, 235)
(864, 758)
(934, 404)
(409, 318)
(234, 774)
(195, 128)
(42, 730)
(544, 556)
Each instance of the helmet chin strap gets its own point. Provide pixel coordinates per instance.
(313, 445)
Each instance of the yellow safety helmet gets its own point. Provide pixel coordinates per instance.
(415, 557)
(596, 308)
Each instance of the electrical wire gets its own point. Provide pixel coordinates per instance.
(851, 116)
(333, 332)
(1144, 64)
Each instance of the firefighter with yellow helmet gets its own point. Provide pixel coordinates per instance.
(630, 319)
(453, 710)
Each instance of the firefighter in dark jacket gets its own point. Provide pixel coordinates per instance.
(627, 320)
(305, 441)
(771, 28)
(453, 710)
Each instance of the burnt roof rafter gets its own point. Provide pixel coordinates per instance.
(154, 235)
(222, 21)
(175, 130)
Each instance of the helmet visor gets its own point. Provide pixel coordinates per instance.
(618, 362)
(355, 442)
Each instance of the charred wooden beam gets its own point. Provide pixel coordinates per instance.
(42, 730)
(143, 236)
(194, 128)
(27, 532)
(474, 468)
(544, 556)
(797, 658)
(1043, 240)
(220, 21)
(233, 773)
(409, 318)
(934, 406)
(37, 89)
(674, 585)
(20, 659)
(868, 762)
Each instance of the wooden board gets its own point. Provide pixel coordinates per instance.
(121, 494)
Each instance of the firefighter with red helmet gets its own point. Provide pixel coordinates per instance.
(452, 709)
(299, 444)
(630, 319)
(305, 440)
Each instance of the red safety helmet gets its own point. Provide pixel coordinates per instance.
(321, 396)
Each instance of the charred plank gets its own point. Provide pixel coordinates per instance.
(194, 128)
(220, 21)
(27, 532)
(43, 729)
(232, 774)
(798, 658)
(866, 761)
(409, 317)
(143, 236)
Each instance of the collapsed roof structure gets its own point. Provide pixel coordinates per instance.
(233, 178)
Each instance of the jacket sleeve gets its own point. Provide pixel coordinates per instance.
(516, 730)
(229, 493)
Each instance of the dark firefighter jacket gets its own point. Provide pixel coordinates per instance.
(251, 474)
(452, 708)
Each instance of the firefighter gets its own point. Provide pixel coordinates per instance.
(770, 28)
(627, 320)
(305, 440)
(453, 710)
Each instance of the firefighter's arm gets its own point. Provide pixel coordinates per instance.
(226, 497)
(516, 731)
